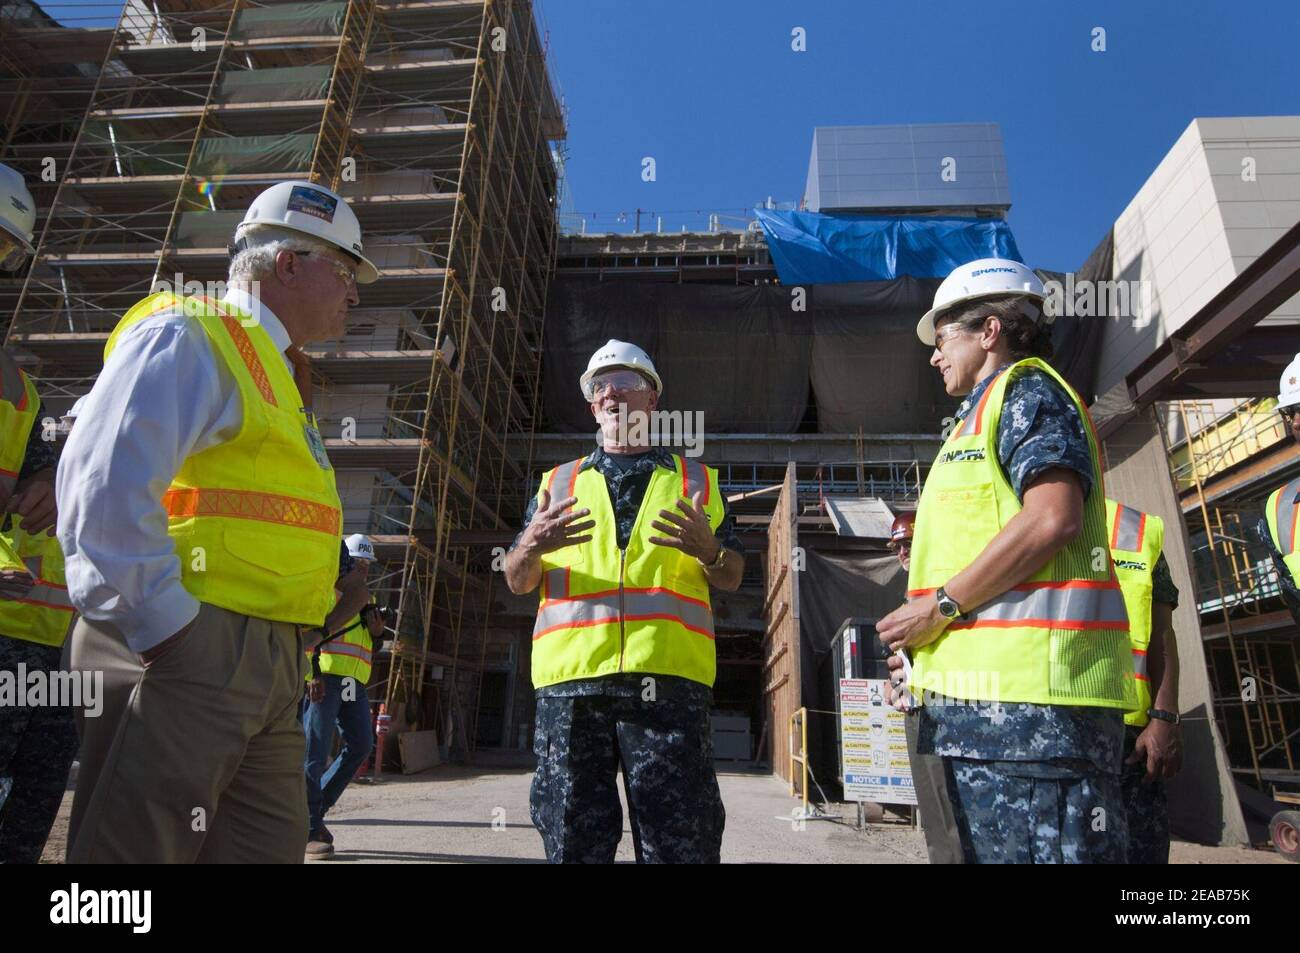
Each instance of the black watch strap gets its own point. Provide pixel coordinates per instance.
(1170, 716)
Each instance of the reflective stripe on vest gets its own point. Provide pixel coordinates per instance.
(19, 404)
(348, 655)
(256, 520)
(1059, 605)
(1136, 539)
(646, 609)
(1130, 526)
(639, 604)
(43, 614)
(1281, 514)
(1058, 638)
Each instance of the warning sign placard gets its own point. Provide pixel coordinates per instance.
(873, 738)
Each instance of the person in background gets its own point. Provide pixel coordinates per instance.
(336, 694)
(942, 841)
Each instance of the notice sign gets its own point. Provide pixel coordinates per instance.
(873, 745)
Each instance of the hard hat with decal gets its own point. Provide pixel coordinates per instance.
(1288, 390)
(360, 547)
(985, 278)
(312, 210)
(615, 354)
(17, 219)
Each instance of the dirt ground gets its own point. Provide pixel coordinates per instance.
(452, 814)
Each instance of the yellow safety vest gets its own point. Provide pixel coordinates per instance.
(1280, 512)
(348, 654)
(18, 406)
(1058, 638)
(256, 520)
(604, 610)
(45, 613)
(1136, 539)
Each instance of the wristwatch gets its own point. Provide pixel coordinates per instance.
(948, 607)
(717, 561)
(1170, 716)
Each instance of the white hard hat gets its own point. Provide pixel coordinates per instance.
(985, 278)
(312, 210)
(1289, 387)
(359, 546)
(620, 354)
(17, 219)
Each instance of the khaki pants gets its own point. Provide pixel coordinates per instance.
(197, 758)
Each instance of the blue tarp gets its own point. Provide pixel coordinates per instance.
(810, 248)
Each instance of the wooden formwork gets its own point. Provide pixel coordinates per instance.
(781, 671)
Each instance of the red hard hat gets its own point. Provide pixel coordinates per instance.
(903, 527)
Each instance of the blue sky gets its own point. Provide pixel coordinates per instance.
(713, 91)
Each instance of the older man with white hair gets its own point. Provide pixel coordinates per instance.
(201, 524)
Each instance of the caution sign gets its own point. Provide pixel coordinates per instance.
(873, 745)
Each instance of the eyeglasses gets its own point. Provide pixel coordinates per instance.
(1288, 412)
(622, 382)
(347, 275)
(942, 338)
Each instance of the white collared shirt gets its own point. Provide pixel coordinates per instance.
(163, 396)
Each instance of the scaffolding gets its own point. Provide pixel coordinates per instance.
(1250, 643)
(435, 120)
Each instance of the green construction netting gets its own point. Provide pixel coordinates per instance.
(206, 229)
(254, 154)
(130, 154)
(280, 84)
(289, 19)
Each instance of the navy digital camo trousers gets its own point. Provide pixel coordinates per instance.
(37, 746)
(1037, 812)
(1146, 807)
(666, 755)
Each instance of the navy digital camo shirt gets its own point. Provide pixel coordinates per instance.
(40, 452)
(1040, 429)
(1290, 592)
(627, 476)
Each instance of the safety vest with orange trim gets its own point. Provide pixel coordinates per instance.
(19, 403)
(347, 655)
(604, 610)
(44, 613)
(1280, 512)
(256, 520)
(1136, 540)
(1058, 638)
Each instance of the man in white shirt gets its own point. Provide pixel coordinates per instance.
(201, 525)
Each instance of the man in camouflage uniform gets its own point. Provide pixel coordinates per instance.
(1154, 752)
(654, 725)
(37, 742)
(1029, 783)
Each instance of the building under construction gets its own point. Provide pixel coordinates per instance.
(145, 139)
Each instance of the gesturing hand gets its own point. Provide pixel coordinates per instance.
(688, 531)
(553, 527)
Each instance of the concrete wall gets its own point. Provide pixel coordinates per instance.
(1203, 803)
(1196, 224)
(866, 167)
